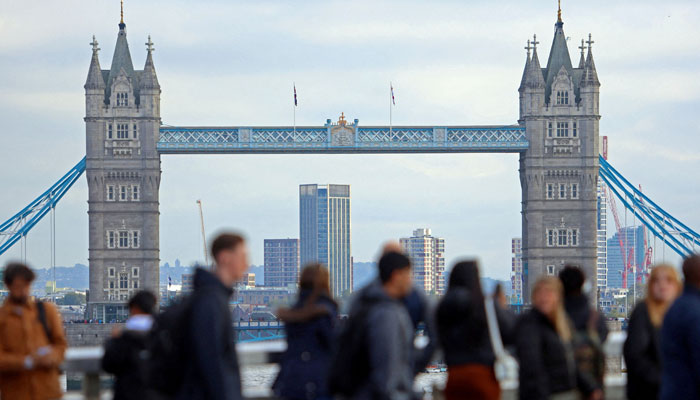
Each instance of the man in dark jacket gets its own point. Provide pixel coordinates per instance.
(125, 351)
(211, 363)
(680, 339)
(389, 332)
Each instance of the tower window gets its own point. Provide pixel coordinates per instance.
(122, 131)
(123, 281)
(574, 237)
(562, 97)
(122, 99)
(562, 129)
(122, 193)
(562, 237)
(549, 129)
(135, 193)
(123, 239)
(551, 238)
(135, 272)
(574, 190)
(136, 132)
(575, 129)
(109, 131)
(111, 239)
(550, 191)
(111, 272)
(110, 192)
(135, 239)
(550, 270)
(562, 191)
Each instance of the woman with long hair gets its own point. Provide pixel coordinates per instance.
(309, 326)
(464, 336)
(642, 351)
(543, 341)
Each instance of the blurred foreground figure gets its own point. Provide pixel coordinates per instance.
(464, 336)
(374, 359)
(642, 351)
(309, 326)
(544, 344)
(32, 341)
(680, 339)
(125, 353)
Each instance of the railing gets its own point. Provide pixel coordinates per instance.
(86, 361)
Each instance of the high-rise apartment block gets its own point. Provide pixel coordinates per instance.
(427, 253)
(516, 272)
(325, 232)
(281, 262)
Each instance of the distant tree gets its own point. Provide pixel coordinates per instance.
(72, 299)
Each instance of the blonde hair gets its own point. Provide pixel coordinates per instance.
(657, 308)
(558, 317)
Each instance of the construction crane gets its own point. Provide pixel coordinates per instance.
(626, 258)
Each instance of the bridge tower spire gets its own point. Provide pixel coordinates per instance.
(122, 122)
(559, 171)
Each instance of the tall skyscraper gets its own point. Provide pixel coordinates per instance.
(427, 254)
(516, 274)
(633, 244)
(325, 232)
(281, 262)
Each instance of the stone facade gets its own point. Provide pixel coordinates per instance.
(123, 172)
(559, 172)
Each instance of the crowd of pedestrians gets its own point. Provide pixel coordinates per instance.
(188, 350)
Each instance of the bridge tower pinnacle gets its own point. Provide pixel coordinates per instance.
(122, 121)
(559, 171)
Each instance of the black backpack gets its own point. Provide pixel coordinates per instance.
(167, 348)
(350, 364)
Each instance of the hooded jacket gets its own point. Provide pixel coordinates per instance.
(305, 364)
(212, 365)
(389, 334)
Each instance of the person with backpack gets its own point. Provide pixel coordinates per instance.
(590, 330)
(125, 353)
(309, 325)
(374, 358)
(32, 341)
(642, 347)
(464, 336)
(210, 363)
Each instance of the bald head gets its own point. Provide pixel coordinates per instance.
(691, 270)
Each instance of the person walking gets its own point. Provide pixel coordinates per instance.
(211, 364)
(32, 341)
(543, 342)
(374, 359)
(590, 331)
(641, 350)
(464, 336)
(125, 352)
(680, 339)
(309, 325)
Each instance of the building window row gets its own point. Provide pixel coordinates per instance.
(562, 237)
(123, 193)
(122, 99)
(563, 129)
(562, 191)
(121, 130)
(562, 97)
(123, 239)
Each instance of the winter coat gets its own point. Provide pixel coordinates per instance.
(125, 358)
(212, 371)
(305, 364)
(547, 364)
(21, 335)
(642, 356)
(389, 344)
(680, 348)
(463, 332)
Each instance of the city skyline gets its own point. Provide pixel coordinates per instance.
(491, 215)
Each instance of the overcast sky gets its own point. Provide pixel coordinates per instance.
(451, 62)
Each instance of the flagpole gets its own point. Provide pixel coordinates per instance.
(390, 106)
(295, 109)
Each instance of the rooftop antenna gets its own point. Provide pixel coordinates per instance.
(204, 237)
(559, 11)
(122, 11)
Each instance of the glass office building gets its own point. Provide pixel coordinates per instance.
(325, 232)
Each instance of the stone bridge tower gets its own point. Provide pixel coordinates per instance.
(559, 172)
(122, 120)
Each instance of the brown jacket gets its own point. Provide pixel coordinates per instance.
(21, 335)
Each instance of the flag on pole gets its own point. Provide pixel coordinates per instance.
(393, 101)
(295, 95)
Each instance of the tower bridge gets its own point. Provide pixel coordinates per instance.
(556, 135)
